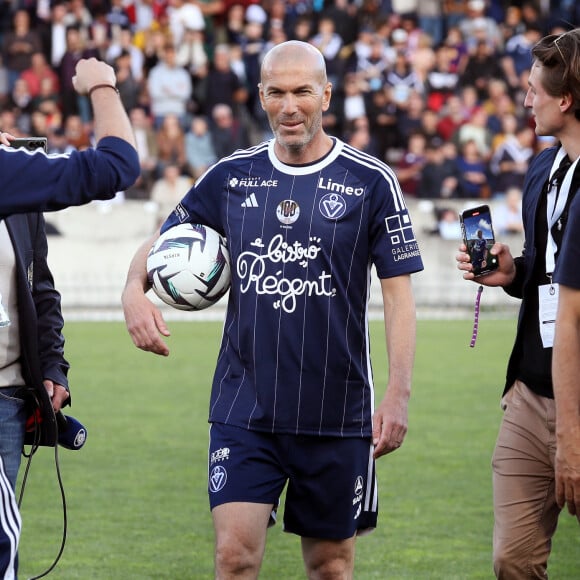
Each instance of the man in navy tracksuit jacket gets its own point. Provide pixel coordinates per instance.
(36, 182)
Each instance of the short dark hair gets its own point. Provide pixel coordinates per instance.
(559, 55)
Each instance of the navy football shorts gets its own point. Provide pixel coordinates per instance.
(332, 491)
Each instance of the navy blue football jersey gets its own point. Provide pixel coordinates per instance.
(295, 355)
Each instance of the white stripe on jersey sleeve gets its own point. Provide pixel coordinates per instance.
(371, 162)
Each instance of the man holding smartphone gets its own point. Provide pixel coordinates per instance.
(526, 509)
(31, 343)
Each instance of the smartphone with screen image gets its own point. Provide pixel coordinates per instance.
(478, 237)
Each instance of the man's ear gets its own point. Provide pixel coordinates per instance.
(566, 102)
(326, 96)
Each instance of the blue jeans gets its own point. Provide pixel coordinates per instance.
(12, 427)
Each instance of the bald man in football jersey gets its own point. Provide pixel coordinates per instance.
(293, 403)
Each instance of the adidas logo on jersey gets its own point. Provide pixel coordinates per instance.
(250, 201)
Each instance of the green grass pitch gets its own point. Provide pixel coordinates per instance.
(136, 493)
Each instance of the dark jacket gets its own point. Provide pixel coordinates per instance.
(39, 314)
(536, 178)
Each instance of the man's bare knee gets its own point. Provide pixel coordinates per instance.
(328, 559)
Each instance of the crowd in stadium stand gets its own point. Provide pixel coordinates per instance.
(433, 87)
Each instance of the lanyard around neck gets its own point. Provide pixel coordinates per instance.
(556, 202)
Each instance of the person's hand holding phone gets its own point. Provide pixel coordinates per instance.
(503, 275)
(478, 238)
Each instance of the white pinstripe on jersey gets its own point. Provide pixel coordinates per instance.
(295, 355)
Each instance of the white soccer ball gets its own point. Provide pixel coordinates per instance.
(188, 267)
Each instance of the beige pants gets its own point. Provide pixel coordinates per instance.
(525, 509)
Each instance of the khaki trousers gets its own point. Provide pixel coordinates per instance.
(525, 509)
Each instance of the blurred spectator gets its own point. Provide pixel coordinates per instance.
(235, 23)
(430, 19)
(476, 130)
(9, 121)
(409, 117)
(38, 71)
(422, 58)
(455, 44)
(18, 46)
(343, 14)
(4, 84)
(55, 42)
(71, 102)
(517, 57)
(191, 53)
(441, 81)
(398, 43)
(168, 190)
(252, 46)
(410, 166)
(170, 88)
(302, 29)
(182, 15)
(79, 16)
(507, 128)
(429, 121)
(403, 79)
(481, 66)
(469, 100)
(199, 150)
(507, 214)
(123, 43)
(146, 142)
(47, 102)
(214, 12)
(227, 132)
(152, 42)
(21, 101)
(222, 85)
(276, 34)
(99, 34)
(333, 118)
(531, 14)
(39, 126)
(448, 225)
(329, 43)
(511, 159)
(381, 112)
(353, 101)
(451, 117)
(371, 62)
(477, 27)
(130, 89)
(171, 144)
(472, 172)
(76, 133)
(511, 24)
(58, 143)
(439, 175)
(117, 20)
(498, 99)
(359, 137)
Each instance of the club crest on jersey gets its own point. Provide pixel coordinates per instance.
(332, 206)
(287, 212)
(217, 478)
